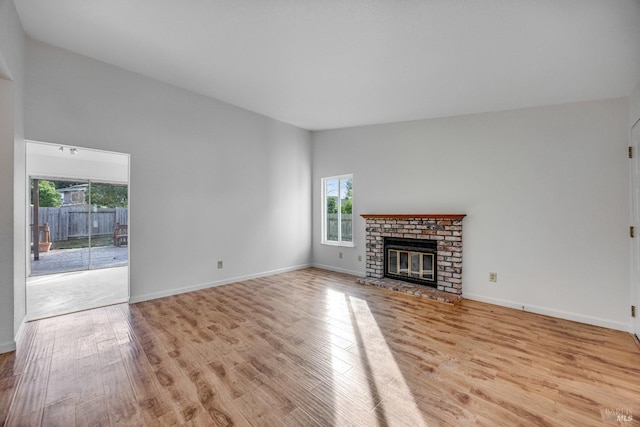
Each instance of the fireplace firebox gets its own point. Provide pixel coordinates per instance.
(411, 260)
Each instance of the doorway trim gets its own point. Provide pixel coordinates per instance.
(90, 171)
(634, 214)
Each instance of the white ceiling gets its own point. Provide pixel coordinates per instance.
(322, 64)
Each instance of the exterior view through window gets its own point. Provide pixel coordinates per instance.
(82, 225)
(337, 208)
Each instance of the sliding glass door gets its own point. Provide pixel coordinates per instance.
(77, 225)
(109, 225)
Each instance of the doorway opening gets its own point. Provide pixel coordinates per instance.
(78, 228)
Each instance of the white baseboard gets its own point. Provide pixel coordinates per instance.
(339, 270)
(7, 347)
(596, 321)
(177, 291)
(20, 332)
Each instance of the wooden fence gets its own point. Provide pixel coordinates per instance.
(332, 227)
(69, 222)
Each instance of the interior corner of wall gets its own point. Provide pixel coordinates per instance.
(4, 69)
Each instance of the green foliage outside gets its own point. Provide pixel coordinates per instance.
(102, 195)
(347, 204)
(107, 195)
(332, 205)
(49, 198)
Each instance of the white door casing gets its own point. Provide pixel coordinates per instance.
(635, 222)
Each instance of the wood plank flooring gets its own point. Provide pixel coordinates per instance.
(312, 347)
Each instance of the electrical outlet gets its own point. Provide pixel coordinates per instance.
(340, 255)
(359, 258)
(219, 264)
(493, 277)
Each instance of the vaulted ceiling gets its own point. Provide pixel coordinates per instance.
(338, 63)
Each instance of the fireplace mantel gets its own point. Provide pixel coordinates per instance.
(405, 216)
(444, 229)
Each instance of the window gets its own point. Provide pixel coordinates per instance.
(337, 208)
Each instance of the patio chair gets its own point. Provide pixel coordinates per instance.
(120, 234)
(44, 238)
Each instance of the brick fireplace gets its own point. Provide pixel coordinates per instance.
(443, 229)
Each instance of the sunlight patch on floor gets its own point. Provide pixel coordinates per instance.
(387, 399)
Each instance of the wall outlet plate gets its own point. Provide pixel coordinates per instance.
(493, 277)
(219, 264)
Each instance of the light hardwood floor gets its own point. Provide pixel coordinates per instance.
(312, 347)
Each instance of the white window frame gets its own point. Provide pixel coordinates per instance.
(323, 191)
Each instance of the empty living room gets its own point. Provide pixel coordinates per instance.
(336, 213)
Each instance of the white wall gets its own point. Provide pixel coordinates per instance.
(208, 181)
(12, 182)
(634, 105)
(6, 216)
(545, 191)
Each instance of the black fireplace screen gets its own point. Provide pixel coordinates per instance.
(413, 260)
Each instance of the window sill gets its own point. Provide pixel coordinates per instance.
(341, 244)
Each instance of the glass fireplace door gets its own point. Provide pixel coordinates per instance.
(416, 265)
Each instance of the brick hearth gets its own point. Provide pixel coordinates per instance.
(445, 229)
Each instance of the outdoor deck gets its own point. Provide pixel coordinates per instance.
(61, 260)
